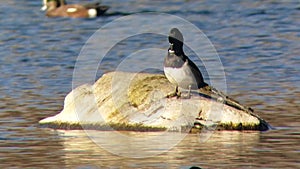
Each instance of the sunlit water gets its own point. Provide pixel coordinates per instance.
(257, 41)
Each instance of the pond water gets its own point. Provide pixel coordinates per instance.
(258, 45)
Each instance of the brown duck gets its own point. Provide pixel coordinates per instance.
(59, 8)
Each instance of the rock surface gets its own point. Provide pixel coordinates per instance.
(138, 101)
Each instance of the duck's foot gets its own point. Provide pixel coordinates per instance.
(188, 94)
(174, 94)
(170, 95)
(185, 96)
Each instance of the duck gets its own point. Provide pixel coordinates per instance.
(178, 68)
(59, 8)
(185, 74)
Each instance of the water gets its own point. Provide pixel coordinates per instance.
(257, 41)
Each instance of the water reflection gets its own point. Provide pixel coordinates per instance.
(224, 149)
(29, 147)
(79, 148)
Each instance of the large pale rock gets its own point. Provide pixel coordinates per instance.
(137, 101)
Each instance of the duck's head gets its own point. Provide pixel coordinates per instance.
(55, 3)
(175, 37)
(176, 41)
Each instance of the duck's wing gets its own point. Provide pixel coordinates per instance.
(197, 74)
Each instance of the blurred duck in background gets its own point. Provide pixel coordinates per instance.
(59, 8)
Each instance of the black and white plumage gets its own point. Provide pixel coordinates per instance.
(182, 72)
(178, 68)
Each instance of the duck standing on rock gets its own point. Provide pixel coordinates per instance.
(178, 68)
(59, 8)
(182, 72)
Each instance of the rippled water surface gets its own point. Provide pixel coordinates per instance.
(258, 43)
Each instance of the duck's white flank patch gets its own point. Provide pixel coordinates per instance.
(92, 13)
(71, 10)
(44, 7)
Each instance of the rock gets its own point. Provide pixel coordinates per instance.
(137, 101)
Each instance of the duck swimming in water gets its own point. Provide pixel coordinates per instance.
(59, 8)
